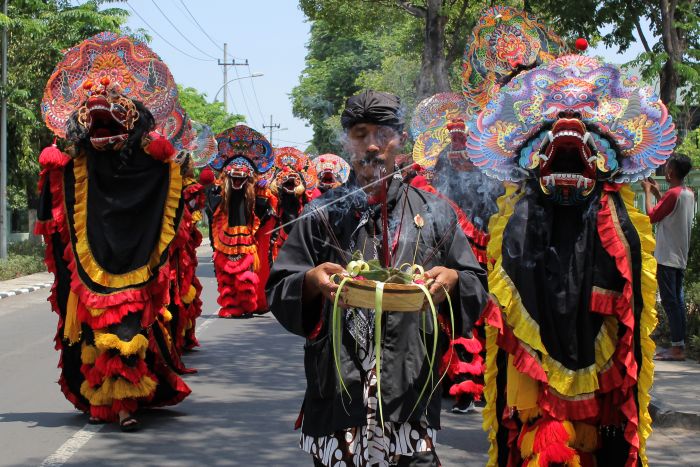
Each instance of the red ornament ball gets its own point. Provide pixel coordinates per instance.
(581, 44)
(206, 176)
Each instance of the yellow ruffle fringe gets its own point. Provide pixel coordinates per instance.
(88, 354)
(116, 389)
(83, 253)
(497, 224)
(189, 296)
(490, 423)
(107, 341)
(71, 327)
(648, 320)
(561, 379)
(527, 330)
(167, 316)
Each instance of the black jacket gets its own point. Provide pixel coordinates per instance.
(404, 366)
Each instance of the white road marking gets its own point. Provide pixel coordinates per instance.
(79, 439)
(71, 447)
(206, 324)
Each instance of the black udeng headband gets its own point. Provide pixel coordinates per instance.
(376, 107)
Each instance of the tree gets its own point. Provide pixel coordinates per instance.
(671, 51)
(443, 27)
(38, 31)
(333, 63)
(691, 146)
(208, 113)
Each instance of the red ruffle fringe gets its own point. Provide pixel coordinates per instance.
(237, 285)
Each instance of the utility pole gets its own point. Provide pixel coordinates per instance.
(3, 144)
(227, 64)
(271, 126)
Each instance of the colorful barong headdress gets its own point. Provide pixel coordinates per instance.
(242, 141)
(289, 159)
(332, 164)
(571, 122)
(429, 126)
(504, 42)
(173, 126)
(129, 67)
(201, 143)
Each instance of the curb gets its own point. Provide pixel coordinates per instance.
(663, 417)
(24, 290)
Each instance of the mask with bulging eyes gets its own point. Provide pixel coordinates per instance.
(567, 161)
(107, 115)
(239, 171)
(289, 181)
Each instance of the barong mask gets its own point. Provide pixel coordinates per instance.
(239, 171)
(100, 80)
(504, 42)
(332, 171)
(429, 127)
(571, 123)
(296, 173)
(107, 115)
(241, 154)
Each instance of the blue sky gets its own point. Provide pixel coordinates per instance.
(271, 34)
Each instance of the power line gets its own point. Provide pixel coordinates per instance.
(271, 126)
(216, 44)
(233, 103)
(257, 102)
(163, 38)
(245, 101)
(292, 142)
(178, 31)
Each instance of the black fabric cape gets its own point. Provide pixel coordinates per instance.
(324, 233)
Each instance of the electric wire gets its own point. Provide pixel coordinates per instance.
(164, 39)
(291, 142)
(245, 101)
(255, 94)
(180, 32)
(200, 27)
(233, 103)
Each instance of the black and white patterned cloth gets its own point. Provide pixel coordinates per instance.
(369, 445)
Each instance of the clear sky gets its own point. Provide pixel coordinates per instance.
(271, 34)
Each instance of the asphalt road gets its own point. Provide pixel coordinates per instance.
(244, 401)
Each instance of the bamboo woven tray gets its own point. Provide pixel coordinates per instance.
(360, 293)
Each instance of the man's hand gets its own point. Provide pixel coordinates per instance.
(317, 281)
(445, 280)
(650, 186)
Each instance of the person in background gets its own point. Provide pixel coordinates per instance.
(673, 214)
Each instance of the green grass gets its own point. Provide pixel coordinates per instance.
(24, 258)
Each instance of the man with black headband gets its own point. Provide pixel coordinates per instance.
(341, 418)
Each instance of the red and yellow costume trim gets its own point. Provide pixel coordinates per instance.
(115, 375)
(555, 403)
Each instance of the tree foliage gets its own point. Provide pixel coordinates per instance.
(38, 31)
(333, 63)
(671, 41)
(691, 146)
(208, 113)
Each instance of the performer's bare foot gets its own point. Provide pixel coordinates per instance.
(127, 422)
